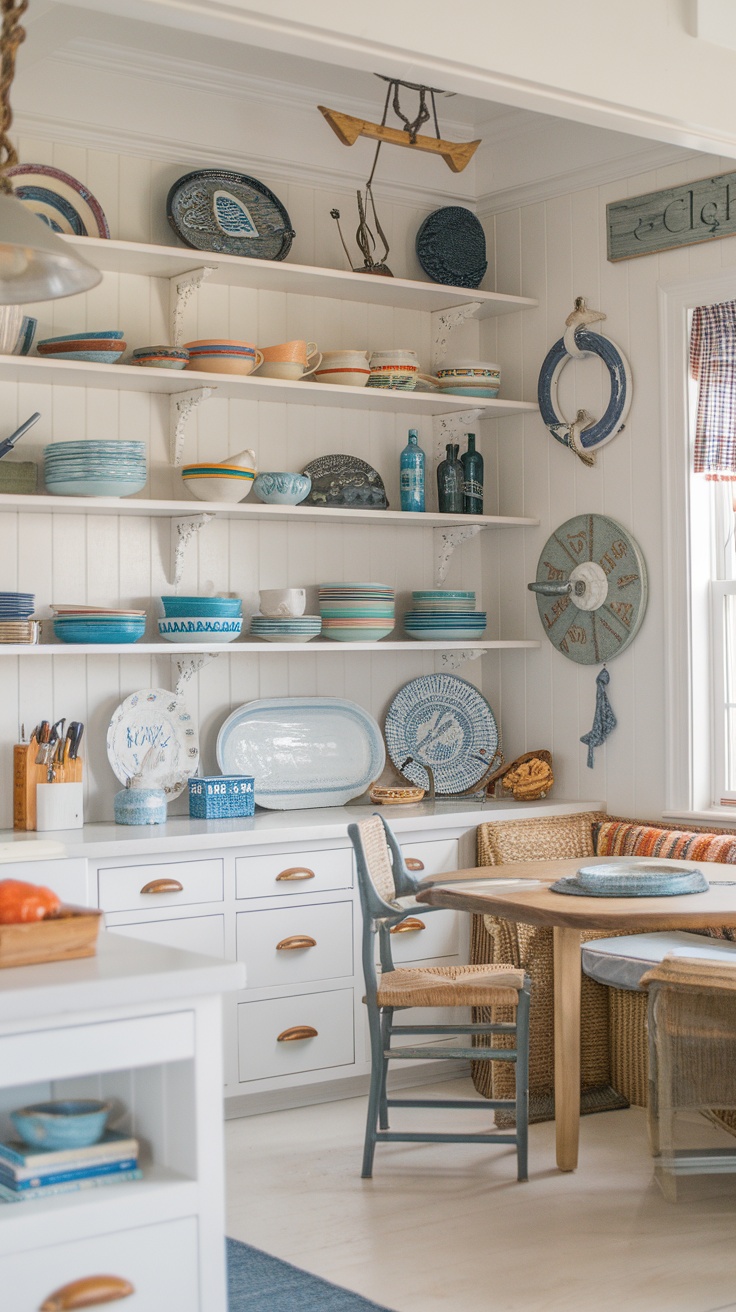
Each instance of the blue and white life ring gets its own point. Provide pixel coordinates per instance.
(578, 342)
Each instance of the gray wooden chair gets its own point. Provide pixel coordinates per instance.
(384, 879)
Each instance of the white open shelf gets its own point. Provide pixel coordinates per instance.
(249, 647)
(249, 510)
(41, 370)
(284, 276)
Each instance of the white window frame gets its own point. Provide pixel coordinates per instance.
(690, 722)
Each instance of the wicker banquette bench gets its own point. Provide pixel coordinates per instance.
(614, 1059)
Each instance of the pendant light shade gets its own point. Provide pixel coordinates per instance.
(35, 264)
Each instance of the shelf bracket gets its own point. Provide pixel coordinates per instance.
(181, 406)
(444, 323)
(445, 542)
(452, 660)
(451, 428)
(188, 668)
(186, 532)
(183, 286)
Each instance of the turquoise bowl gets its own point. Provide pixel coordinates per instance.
(211, 607)
(282, 489)
(73, 1123)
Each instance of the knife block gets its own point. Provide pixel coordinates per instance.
(26, 775)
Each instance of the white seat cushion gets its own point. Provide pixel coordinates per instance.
(621, 962)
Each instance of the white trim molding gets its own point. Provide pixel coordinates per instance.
(688, 717)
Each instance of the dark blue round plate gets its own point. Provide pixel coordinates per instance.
(220, 210)
(451, 247)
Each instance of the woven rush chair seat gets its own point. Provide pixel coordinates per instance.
(450, 986)
(383, 880)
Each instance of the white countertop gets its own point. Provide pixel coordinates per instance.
(266, 828)
(125, 971)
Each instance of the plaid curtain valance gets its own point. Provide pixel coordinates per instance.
(713, 366)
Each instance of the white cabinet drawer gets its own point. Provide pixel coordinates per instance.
(159, 1261)
(262, 1055)
(293, 945)
(424, 935)
(67, 877)
(121, 887)
(205, 934)
(288, 873)
(436, 857)
(111, 1045)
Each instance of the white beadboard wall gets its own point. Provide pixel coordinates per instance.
(107, 559)
(555, 250)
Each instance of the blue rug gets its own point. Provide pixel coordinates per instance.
(258, 1282)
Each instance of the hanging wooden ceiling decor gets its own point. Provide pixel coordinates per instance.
(457, 155)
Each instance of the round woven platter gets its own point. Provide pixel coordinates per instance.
(647, 879)
(451, 247)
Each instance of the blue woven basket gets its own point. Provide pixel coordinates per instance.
(221, 797)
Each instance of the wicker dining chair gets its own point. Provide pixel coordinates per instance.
(383, 879)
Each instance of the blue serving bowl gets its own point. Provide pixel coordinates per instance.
(210, 607)
(74, 1123)
(74, 629)
(75, 337)
(282, 488)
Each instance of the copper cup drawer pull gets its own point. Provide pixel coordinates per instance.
(163, 886)
(296, 941)
(296, 872)
(413, 863)
(410, 926)
(91, 1291)
(296, 1033)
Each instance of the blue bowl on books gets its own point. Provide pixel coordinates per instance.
(72, 1123)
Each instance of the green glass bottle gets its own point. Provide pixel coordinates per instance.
(472, 462)
(450, 483)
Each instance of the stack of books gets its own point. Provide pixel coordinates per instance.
(28, 1173)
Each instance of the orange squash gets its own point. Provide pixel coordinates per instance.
(21, 902)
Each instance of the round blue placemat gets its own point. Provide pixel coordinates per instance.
(451, 247)
(623, 880)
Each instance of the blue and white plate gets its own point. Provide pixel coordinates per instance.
(152, 734)
(446, 723)
(302, 751)
(220, 210)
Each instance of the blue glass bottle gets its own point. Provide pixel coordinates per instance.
(472, 462)
(450, 482)
(411, 475)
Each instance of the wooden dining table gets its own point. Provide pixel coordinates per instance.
(521, 892)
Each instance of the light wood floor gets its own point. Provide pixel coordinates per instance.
(446, 1228)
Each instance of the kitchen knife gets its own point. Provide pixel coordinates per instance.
(10, 442)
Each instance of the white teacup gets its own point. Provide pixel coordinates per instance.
(346, 368)
(281, 603)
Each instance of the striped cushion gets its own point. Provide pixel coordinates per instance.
(621, 838)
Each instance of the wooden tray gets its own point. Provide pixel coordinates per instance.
(71, 933)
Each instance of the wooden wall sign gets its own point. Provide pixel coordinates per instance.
(677, 216)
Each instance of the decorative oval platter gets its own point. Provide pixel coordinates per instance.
(633, 879)
(445, 723)
(302, 751)
(451, 247)
(65, 204)
(345, 481)
(219, 210)
(152, 734)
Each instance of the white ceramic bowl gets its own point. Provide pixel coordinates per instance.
(217, 487)
(279, 603)
(348, 368)
(200, 628)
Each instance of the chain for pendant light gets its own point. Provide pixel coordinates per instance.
(10, 38)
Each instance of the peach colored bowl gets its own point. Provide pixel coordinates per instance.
(219, 361)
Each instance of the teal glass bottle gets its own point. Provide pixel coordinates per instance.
(411, 474)
(450, 483)
(472, 462)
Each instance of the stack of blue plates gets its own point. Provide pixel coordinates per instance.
(17, 605)
(99, 628)
(95, 468)
(292, 628)
(443, 614)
